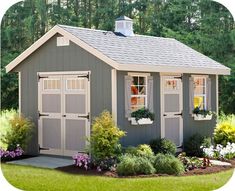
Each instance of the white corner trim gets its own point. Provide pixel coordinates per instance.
(114, 95)
(217, 94)
(19, 91)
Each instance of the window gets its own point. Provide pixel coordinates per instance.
(199, 99)
(138, 92)
(75, 84)
(171, 85)
(51, 84)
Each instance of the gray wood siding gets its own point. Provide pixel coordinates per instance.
(191, 126)
(50, 58)
(144, 133)
(138, 134)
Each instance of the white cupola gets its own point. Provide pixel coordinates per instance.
(124, 25)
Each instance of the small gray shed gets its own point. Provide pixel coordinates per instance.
(71, 74)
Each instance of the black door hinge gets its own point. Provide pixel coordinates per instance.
(178, 114)
(41, 114)
(178, 77)
(39, 77)
(85, 76)
(85, 116)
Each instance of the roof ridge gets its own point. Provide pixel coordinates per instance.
(76, 27)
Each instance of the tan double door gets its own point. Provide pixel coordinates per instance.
(63, 111)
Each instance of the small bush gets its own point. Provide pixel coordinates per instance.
(19, 134)
(5, 117)
(143, 150)
(163, 146)
(133, 165)
(192, 146)
(105, 136)
(225, 130)
(168, 164)
(190, 163)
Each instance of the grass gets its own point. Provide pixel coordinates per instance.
(31, 178)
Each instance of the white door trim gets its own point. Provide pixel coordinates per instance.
(162, 77)
(40, 86)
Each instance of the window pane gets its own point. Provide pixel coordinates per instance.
(134, 90)
(142, 81)
(171, 84)
(141, 101)
(199, 81)
(199, 101)
(51, 84)
(199, 90)
(134, 80)
(75, 84)
(142, 90)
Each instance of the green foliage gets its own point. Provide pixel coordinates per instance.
(168, 164)
(105, 136)
(143, 150)
(192, 146)
(199, 111)
(133, 165)
(142, 113)
(190, 163)
(19, 132)
(225, 130)
(163, 146)
(205, 26)
(5, 117)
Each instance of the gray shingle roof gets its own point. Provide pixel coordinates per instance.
(141, 49)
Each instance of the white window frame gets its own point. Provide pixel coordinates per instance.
(145, 75)
(202, 95)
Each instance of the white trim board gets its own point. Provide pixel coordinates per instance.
(124, 67)
(114, 95)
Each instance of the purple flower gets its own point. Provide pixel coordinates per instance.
(81, 160)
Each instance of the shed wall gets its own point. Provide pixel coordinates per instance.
(50, 58)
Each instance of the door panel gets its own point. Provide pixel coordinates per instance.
(171, 98)
(51, 129)
(51, 103)
(172, 129)
(171, 103)
(63, 113)
(75, 103)
(75, 134)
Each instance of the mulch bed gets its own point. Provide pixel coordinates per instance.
(93, 172)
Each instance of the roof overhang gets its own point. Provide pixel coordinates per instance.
(123, 67)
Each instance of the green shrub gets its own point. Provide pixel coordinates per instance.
(168, 164)
(143, 150)
(163, 146)
(133, 165)
(192, 146)
(105, 136)
(5, 117)
(225, 130)
(20, 132)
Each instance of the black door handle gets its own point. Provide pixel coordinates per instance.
(63, 115)
(164, 114)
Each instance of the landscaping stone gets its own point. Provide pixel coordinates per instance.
(220, 163)
(44, 162)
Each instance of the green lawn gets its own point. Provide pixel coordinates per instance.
(29, 178)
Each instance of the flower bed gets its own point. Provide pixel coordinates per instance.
(6, 155)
